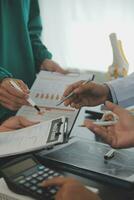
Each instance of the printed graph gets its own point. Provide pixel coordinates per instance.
(47, 96)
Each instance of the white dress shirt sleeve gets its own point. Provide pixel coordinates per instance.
(122, 90)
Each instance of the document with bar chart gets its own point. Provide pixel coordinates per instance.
(47, 91)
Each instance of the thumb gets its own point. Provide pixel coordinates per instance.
(114, 108)
(25, 122)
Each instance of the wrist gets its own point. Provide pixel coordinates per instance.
(45, 63)
(4, 78)
(107, 95)
(2, 128)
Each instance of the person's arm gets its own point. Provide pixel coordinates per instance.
(119, 135)
(90, 94)
(119, 91)
(70, 189)
(122, 90)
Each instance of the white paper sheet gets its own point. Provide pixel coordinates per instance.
(47, 91)
(27, 139)
(48, 88)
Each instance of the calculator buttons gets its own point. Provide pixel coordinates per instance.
(27, 184)
(22, 181)
(45, 175)
(40, 172)
(34, 175)
(46, 169)
(41, 167)
(39, 191)
(56, 174)
(34, 181)
(40, 178)
(51, 172)
(33, 188)
(28, 178)
(53, 191)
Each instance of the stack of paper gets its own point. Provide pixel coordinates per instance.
(47, 91)
(30, 138)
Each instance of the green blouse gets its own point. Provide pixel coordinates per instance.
(21, 50)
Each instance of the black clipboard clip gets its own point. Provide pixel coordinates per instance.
(56, 127)
(65, 131)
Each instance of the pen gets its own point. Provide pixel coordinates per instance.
(32, 103)
(102, 123)
(72, 93)
(82, 125)
(109, 154)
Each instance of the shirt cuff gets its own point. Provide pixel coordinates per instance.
(5, 74)
(113, 95)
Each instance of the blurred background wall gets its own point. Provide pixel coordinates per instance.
(77, 31)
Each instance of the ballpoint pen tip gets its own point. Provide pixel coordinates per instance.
(37, 108)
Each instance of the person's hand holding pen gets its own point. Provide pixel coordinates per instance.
(89, 94)
(118, 135)
(12, 98)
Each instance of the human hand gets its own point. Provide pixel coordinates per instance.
(90, 94)
(70, 189)
(16, 122)
(52, 66)
(12, 98)
(119, 135)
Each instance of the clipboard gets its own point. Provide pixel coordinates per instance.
(39, 136)
(87, 159)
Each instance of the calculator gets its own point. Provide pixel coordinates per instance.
(24, 175)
